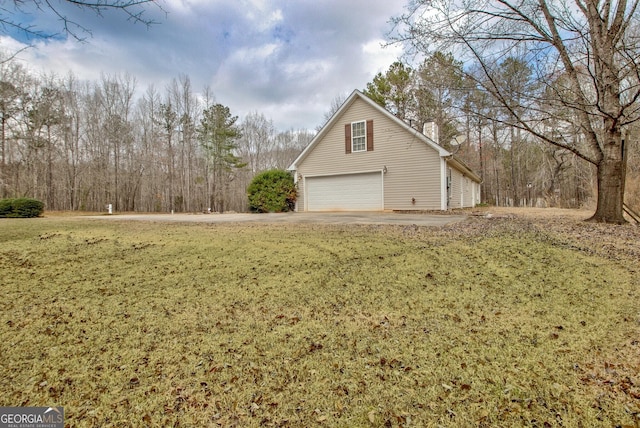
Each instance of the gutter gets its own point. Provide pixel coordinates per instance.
(465, 169)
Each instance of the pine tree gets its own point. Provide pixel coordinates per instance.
(218, 134)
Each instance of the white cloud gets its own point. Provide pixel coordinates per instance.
(307, 70)
(252, 54)
(9, 45)
(379, 56)
(282, 58)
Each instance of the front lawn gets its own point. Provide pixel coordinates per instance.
(490, 322)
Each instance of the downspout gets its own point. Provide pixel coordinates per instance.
(295, 181)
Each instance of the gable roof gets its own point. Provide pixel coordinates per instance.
(355, 95)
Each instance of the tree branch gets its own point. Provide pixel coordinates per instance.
(133, 9)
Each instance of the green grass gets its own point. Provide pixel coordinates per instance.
(146, 324)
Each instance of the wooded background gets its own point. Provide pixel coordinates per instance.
(517, 168)
(80, 145)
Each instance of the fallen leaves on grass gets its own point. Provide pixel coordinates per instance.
(487, 322)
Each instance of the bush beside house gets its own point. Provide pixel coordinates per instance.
(272, 191)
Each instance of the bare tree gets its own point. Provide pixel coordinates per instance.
(116, 99)
(71, 93)
(257, 141)
(151, 150)
(438, 93)
(11, 11)
(45, 115)
(336, 103)
(585, 51)
(187, 108)
(476, 108)
(168, 121)
(12, 87)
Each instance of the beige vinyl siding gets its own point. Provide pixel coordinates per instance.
(455, 200)
(413, 168)
(464, 191)
(417, 178)
(300, 196)
(468, 192)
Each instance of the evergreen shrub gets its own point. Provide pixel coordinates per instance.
(21, 208)
(272, 191)
(5, 207)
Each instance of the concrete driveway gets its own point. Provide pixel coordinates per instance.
(301, 218)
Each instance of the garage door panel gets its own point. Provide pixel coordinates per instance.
(349, 192)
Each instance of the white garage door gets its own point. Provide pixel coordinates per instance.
(349, 192)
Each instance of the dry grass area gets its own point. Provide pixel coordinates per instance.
(514, 320)
(612, 242)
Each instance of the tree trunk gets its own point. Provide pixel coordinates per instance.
(514, 183)
(3, 174)
(611, 181)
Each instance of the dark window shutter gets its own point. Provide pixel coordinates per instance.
(369, 135)
(347, 138)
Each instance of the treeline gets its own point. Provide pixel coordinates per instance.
(517, 168)
(78, 145)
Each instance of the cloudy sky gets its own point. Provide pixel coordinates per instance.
(286, 59)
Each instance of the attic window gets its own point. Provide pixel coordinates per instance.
(358, 136)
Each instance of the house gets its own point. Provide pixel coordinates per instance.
(366, 159)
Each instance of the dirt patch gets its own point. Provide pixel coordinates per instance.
(605, 240)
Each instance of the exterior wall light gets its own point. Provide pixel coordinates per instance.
(384, 169)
